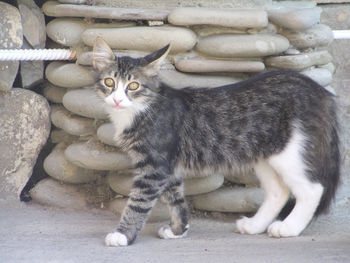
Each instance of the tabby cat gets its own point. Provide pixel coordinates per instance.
(281, 124)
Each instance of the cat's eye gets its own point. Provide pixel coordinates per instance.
(109, 82)
(133, 85)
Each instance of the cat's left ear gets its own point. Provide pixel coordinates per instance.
(155, 60)
(103, 55)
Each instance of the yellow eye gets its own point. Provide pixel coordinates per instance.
(109, 82)
(133, 86)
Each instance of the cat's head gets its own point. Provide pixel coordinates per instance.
(125, 82)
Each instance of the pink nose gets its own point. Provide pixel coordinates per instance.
(117, 102)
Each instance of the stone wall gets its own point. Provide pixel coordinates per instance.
(210, 47)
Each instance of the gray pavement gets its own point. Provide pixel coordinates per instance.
(32, 233)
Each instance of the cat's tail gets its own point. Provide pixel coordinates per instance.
(327, 159)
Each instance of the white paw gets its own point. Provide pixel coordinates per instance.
(116, 239)
(249, 226)
(165, 232)
(282, 229)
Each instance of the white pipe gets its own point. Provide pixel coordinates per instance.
(341, 34)
(36, 54)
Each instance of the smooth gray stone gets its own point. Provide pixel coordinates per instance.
(95, 155)
(76, 2)
(180, 80)
(295, 18)
(330, 66)
(321, 75)
(105, 134)
(70, 123)
(159, 212)
(85, 102)
(242, 46)
(57, 166)
(67, 31)
(25, 127)
(318, 35)
(69, 75)
(299, 62)
(238, 18)
(143, 38)
(247, 178)
(197, 65)
(196, 186)
(292, 4)
(11, 38)
(171, 4)
(226, 199)
(33, 23)
(121, 183)
(53, 93)
(50, 192)
(54, 8)
(59, 135)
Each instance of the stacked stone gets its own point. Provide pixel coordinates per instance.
(209, 47)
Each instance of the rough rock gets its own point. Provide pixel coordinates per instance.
(226, 199)
(53, 8)
(32, 72)
(105, 133)
(71, 123)
(238, 18)
(318, 35)
(159, 211)
(33, 23)
(197, 65)
(56, 165)
(299, 62)
(231, 45)
(52, 193)
(321, 75)
(84, 102)
(58, 136)
(180, 80)
(196, 186)
(248, 178)
(69, 75)
(25, 127)
(11, 38)
(67, 31)
(95, 155)
(143, 38)
(295, 18)
(53, 93)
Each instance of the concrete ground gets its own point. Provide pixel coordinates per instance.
(32, 233)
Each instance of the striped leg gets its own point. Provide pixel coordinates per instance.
(143, 196)
(179, 216)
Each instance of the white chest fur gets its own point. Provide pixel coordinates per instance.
(121, 119)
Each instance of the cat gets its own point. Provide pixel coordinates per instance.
(280, 123)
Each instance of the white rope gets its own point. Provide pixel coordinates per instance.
(36, 54)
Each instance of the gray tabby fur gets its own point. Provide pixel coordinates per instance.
(169, 132)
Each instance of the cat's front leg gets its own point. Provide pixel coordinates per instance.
(179, 214)
(143, 196)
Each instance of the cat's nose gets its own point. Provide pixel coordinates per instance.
(116, 101)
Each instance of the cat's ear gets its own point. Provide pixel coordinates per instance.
(155, 60)
(103, 55)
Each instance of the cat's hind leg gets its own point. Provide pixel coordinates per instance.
(179, 214)
(276, 196)
(294, 171)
